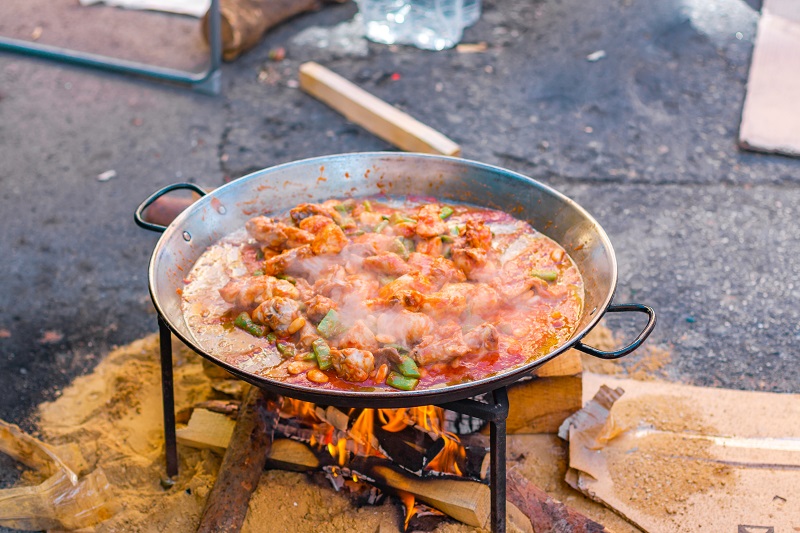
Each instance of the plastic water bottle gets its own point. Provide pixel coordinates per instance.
(426, 24)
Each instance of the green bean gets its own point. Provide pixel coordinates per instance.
(367, 206)
(286, 349)
(399, 381)
(546, 275)
(398, 247)
(446, 212)
(323, 353)
(244, 322)
(284, 277)
(331, 325)
(258, 273)
(382, 226)
(408, 368)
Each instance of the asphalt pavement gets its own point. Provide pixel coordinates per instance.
(644, 138)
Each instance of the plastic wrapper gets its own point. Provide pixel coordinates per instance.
(63, 501)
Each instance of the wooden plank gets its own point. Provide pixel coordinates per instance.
(542, 404)
(207, 429)
(372, 113)
(771, 112)
(566, 364)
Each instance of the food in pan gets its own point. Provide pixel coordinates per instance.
(382, 293)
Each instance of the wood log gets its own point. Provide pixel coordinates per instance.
(372, 113)
(542, 404)
(545, 513)
(208, 430)
(567, 364)
(244, 22)
(243, 463)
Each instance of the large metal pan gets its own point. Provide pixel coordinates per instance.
(362, 174)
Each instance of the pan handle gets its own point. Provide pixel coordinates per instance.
(623, 308)
(138, 215)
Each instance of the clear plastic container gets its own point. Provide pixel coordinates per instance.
(426, 24)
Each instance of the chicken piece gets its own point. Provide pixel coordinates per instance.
(451, 300)
(314, 223)
(392, 291)
(433, 247)
(277, 313)
(304, 290)
(379, 241)
(352, 364)
(428, 222)
(446, 344)
(304, 211)
(353, 254)
(297, 237)
(388, 263)
(483, 338)
(330, 240)
(420, 262)
(515, 279)
(483, 300)
(470, 260)
(318, 306)
(245, 293)
(387, 353)
(307, 335)
(267, 231)
(359, 336)
(445, 271)
(478, 235)
(406, 326)
(290, 261)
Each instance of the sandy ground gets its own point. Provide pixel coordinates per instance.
(114, 415)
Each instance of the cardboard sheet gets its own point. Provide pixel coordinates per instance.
(771, 114)
(679, 458)
(194, 8)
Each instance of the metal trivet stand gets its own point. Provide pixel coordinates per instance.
(494, 411)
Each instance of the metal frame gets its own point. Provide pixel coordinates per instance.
(206, 82)
(495, 412)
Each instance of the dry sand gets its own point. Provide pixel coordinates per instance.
(114, 415)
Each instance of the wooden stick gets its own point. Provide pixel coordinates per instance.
(372, 113)
(546, 513)
(242, 465)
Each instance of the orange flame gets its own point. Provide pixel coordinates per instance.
(409, 503)
(360, 438)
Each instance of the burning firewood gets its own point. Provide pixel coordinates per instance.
(242, 465)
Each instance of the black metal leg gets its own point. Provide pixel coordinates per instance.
(497, 441)
(496, 413)
(168, 399)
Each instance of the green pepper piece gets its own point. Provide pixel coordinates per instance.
(284, 277)
(398, 247)
(260, 254)
(408, 368)
(446, 212)
(258, 273)
(455, 230)
(547, 275)
(341, 208)
(331, 325)
(271, 337)
(367, 206)
(323, 353)
(286, 349)
(244, 322)
(382, 226)
(399, 381)
(446, 238)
